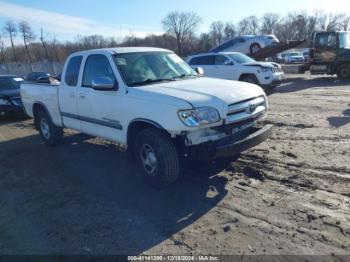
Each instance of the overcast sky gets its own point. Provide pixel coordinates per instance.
(118, 18)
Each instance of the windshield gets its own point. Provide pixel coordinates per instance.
(10, 83)
(151, 67)
(240, 58)
(344, 40)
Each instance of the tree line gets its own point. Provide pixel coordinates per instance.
(180, 35)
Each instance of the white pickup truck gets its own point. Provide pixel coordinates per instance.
(151, 102)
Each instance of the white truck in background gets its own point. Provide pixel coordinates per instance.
(153, 103)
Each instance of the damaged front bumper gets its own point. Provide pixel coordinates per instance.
(228, 147)
(231, 145)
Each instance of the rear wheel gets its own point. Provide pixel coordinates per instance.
(157, 157)
(343, 71)
(51, 134)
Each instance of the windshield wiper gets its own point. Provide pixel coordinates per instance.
(183, 76)
(151, 81)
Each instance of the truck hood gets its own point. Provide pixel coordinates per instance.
(203, 91)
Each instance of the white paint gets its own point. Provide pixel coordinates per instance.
(159, 103)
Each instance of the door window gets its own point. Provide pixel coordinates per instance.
(344, 40)
(203, 60)
(221, 60)
(72, 71)
(326, 40)
(97, 66)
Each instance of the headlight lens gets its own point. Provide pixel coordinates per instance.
(199, 116)
(265, 69)
(4, 102)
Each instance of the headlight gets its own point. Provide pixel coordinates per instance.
(4, 102)
(264, 70)
(199, 116)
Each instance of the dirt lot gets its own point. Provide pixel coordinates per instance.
(290, 195)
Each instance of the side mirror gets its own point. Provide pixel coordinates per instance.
(199, 71)
(103, 83)
(228, 63)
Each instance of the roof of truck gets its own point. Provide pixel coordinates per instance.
(121, 50)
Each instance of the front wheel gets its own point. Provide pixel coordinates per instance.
(250, 79)
(157, 157)
(51, 134)
(343, 72)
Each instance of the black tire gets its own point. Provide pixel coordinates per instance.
(343, 72)
(250, 79)
(156, 157)
(254, 48)
(51, 134)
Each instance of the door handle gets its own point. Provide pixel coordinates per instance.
(72, 95)
(82, 95)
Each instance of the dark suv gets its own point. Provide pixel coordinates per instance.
(10, 99)
(37, 76)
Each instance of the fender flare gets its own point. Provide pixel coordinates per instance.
(145, 120)
(44, 107)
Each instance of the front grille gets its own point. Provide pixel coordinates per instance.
(239, 126)
(249, 109)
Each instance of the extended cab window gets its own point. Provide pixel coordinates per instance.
(97, 66)
(72, 71)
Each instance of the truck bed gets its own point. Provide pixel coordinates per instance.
(44, 94)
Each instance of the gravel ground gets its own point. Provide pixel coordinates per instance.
(289, 195)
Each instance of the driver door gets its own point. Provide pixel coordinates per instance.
(325, 48)
(99, 110)
(223, 67)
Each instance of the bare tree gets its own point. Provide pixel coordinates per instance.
(182, 25)
(42, 40)
(204, 42)
(345, 23)
(321, 18)
(311, 26)
(28, 36)
(11, 30)
(54, 46)
(230, 30)
(249, 25)
(182, 35)
(269, 22)
(217, 32)
(43, 43)
(335, 22)
(2, 54)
